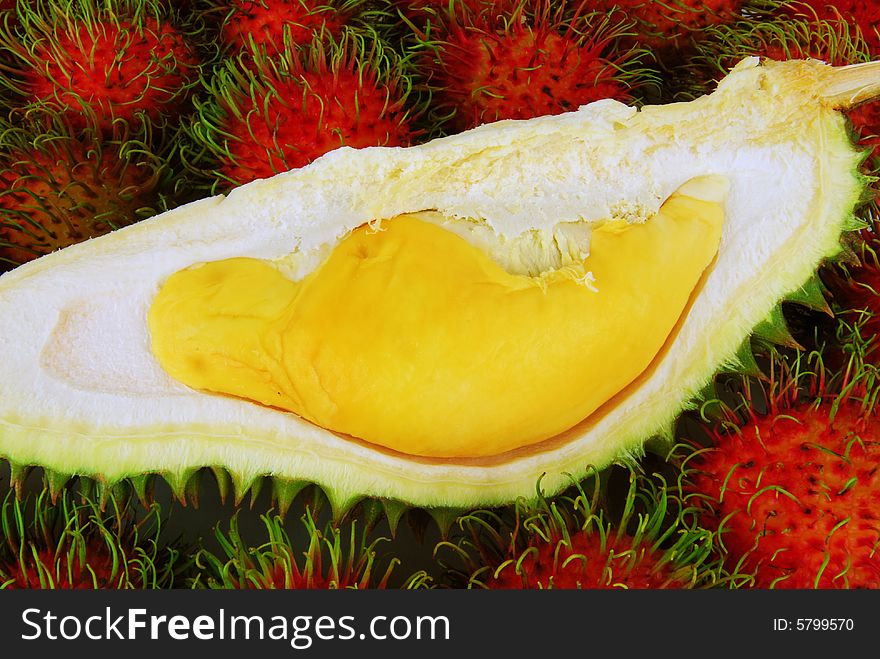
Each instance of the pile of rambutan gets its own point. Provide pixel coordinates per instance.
(114, 111)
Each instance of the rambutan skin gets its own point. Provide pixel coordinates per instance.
(482, 67)
(586, 561)
(325, 559)
(277, 114)
(796, 495)
(571, 542)
(68, 541)
(271, 25)
(57, 190)
(48, 568)
(665, 25)
(126, 62)
(863, 14)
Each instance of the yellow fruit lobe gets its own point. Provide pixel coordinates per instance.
(409, 337)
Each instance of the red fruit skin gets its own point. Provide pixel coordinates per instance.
(264, 23)
(797, 495)
(857, 290)
(420, 10)
(483, 74)
(311, 113)
(67, 572)
(113, 72)
(662, 24)
(285, 575)
(865, 14)
(585, 564)
(67, 196)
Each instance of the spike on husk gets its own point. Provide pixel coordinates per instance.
(812, 295)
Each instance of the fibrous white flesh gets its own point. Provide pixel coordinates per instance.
(80, 391)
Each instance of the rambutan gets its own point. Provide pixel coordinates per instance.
(864, 15)
(331, 559)
(570, 543)
(543, 58)
(663, 25)
(791, 481)
(421, 11)
(57, 189)
(99, 63)
(855, 287)
(269, 114)
(76, 544)
(273, 25)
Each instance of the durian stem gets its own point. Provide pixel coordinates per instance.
(847, 86)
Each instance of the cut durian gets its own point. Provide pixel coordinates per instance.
(410, 338)
(86, 386)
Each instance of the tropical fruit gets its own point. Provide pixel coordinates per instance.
(332, 559)
(99, 64)
(71, 542)
(446, 323)
(267, 114)
(59, 186)
(481, 64)
(573, 542)
(274, 25)
(793, 491)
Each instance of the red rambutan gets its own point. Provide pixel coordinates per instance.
(76, 544)
(273, 114)
(795, 490)
(570, 544)
(544, 59)
(661, 24)
(861, 14)
(272, 25)
(57, 190)
(330, 561)
(99, 63)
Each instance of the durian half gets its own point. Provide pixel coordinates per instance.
(443, 324)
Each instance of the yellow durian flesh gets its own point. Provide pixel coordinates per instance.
(411, 338)
(81, 391)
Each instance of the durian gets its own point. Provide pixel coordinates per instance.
(440, 325)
